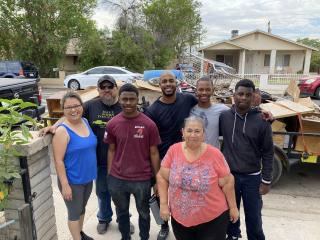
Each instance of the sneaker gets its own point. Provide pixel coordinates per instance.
(85, 236)
(163, 233)
(131, 228)
(231, 238)
(102, 227)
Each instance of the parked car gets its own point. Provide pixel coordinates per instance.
(91, 76)
(15, 69)
(310, 86)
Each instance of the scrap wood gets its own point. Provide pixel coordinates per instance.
(294, 106)
(307, 102)
(147, 85)
(293, 90)
(277, 111)
(285, 108)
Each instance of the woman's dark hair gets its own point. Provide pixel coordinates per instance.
(128, 87)
(245, 83)
(70, 94)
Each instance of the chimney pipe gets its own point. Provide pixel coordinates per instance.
(234, 33)
(269, 28)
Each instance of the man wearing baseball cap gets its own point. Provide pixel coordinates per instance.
(98, 112)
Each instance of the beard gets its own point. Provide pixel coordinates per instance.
(109, 101)
(169, 94)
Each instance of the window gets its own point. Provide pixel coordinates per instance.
(266, 60)
(220, 58)
(227, 59)
(3, 67)
(286, 60)
(113, 71)
(13, 66)
(95, 71)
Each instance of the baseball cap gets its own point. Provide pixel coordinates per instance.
(106, 78)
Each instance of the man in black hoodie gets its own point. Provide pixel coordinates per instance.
(248, 149)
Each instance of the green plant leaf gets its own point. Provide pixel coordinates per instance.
(24, 105)
(16, 101)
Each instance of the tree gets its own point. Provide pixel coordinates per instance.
(130, 12)
(39, 31)
(175, 23)
(93, 48)
(315, 57)
(125, 51)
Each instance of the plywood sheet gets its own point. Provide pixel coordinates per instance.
(285, 108)
(278, 126)
(277, 111)
(89, 94)
(307, 102)
(294, 106)
(293, 90)
(312, 143)
(146, 85)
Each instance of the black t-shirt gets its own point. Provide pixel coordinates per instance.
(169, 119)
(98, 114)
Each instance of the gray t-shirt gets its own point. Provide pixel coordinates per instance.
(211, 120)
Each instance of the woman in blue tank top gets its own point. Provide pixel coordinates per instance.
(74, 149)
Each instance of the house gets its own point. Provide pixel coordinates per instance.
(259, 52)
(69, 63)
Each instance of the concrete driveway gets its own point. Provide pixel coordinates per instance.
(291, 210)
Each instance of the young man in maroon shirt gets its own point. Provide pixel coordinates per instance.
(133, 159)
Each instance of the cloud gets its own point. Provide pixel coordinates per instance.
(289, 18)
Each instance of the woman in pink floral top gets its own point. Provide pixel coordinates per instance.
(200, 187)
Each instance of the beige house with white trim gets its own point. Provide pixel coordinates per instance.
(259, 52)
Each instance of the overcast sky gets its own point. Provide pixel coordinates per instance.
(289, 18)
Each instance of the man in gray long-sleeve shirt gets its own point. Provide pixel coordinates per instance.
(248, 149)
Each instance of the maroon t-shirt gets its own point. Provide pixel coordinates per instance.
(133, 138)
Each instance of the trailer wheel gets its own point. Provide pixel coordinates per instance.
(277, 169)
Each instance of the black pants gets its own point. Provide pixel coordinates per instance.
(216, 229)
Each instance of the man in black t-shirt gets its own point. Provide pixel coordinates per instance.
(98, 112)
(168, 113)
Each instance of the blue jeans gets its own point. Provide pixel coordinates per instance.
(247, 188)
(104, 199)
(120, 191)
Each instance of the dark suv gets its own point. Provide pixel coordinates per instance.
(15, 69)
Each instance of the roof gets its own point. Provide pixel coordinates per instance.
(225, 41)
(257, 31)
(72, 46)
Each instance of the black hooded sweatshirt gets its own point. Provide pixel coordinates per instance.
(247, 143)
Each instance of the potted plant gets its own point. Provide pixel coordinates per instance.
(14, 130)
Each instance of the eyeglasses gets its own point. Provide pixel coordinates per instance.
(103, 87)
(72, 107)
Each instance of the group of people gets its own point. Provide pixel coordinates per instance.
(174, 148)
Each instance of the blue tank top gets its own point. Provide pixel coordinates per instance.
(80, 159)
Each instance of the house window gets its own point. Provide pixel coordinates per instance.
(220, 58)
(227, 59)
(266, 60)
(286, 60)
